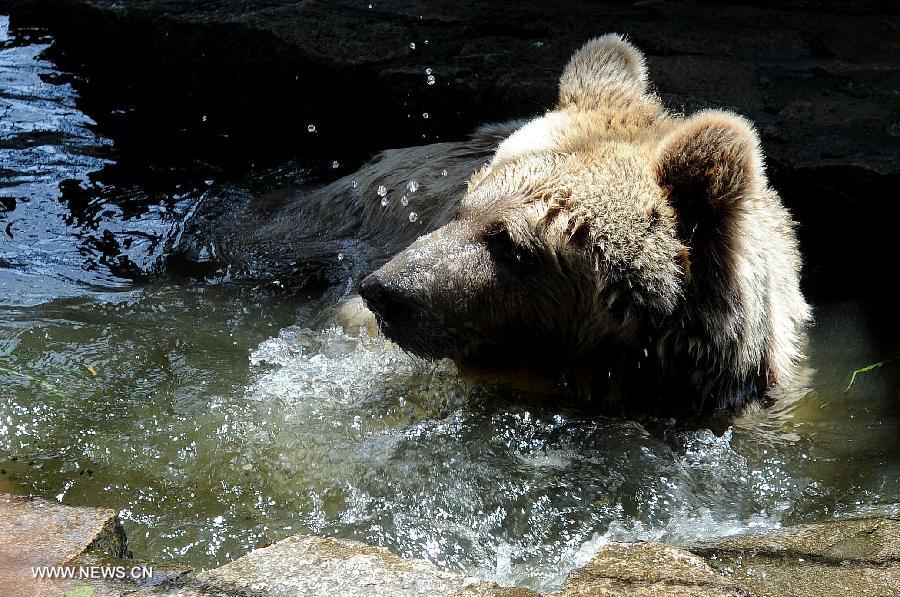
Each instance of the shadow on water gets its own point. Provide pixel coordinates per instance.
(78, 206)
(70, 215)
(219, 417)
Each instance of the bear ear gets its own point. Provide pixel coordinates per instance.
(708, 166)
(601, 72)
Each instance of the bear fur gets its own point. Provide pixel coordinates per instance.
(633, 254)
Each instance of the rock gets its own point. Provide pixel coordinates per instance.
(647, 569)
(309, 565)
(818, 78)
(35, 532)
(842, 557)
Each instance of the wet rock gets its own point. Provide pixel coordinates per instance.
(844, 557)
(647, 569)
(35, 532)
(138, 578)
(309, 565)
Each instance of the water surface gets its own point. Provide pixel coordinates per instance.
(219, 417)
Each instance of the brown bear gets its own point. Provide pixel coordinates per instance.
(635, 255)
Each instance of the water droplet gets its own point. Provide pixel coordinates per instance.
(340, 256)
(425, 115)
(354, 184)
(385, 201)
(204, 118)
(413, 216)
(311, 128)
(335, 164)
(426, 42)
(382, 190)
(430, 79)
(404, 201)
(443, 173)
(412, 186)
(412, 45)
(428, 71)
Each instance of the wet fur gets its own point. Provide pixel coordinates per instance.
(632, 255)
(658, 261)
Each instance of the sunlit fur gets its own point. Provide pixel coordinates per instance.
(625, 249)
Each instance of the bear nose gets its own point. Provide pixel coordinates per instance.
(384, 301)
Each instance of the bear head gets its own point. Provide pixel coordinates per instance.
(605, 227)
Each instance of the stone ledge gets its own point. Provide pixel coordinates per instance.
(35, 532)
(648, 569)
(310, 565)
(841, 557)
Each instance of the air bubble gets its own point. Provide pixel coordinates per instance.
(443, 173)
(413, 216)
(425, 115)
(430, 79)
(382, 191)
(404, 201)
(311, 128)
(384, 202)
(412, 45)
(340, 256)
(412, 186)
(335, 164)
(427, 71)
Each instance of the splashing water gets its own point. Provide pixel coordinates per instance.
(219, 418)
(516, 492)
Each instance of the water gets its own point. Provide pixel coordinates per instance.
(220, 417)
(69, 220)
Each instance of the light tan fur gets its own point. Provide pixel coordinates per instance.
(647, 230)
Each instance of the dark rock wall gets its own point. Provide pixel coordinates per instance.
(234, 83)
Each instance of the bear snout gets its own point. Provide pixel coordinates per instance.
(387, 303)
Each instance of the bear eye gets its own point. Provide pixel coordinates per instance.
(501, 245)
(494, 230)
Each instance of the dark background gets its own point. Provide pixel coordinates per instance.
(224, 87)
